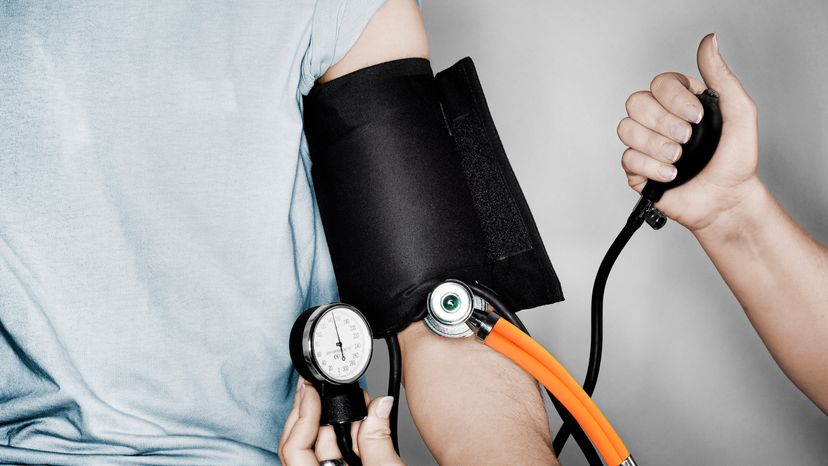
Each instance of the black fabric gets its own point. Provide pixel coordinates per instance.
(521, 269)
(407, 202)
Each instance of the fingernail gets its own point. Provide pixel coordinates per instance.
(384, 407)
(716, 43)
(680, 133)
(670, 151)
(692, 113)
(667, 171)
(300, 387)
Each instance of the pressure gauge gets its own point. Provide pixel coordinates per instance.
(331, 344)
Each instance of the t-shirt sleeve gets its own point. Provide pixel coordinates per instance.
(335, 27)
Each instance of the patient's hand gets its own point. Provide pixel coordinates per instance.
(305, 443)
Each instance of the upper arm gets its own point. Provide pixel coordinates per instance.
(448, 380)
(396, 31)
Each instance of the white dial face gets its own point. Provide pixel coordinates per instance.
(341, 344)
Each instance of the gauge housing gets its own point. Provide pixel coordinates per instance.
(302, 345)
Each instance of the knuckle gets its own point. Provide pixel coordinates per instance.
(665, 120)
(677, 100)
(634, 163)
(375, 433)
(670, 85)
(288, 448)
(624, 128)
(289, 456)
(635, 100)
(659, 81)
(289, 442)
(300, 425)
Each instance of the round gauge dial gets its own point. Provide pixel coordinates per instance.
(340, 343)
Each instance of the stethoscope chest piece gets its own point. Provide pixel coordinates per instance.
(450, 305)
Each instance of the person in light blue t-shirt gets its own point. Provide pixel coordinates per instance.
(159, 234)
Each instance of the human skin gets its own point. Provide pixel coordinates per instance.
(470, 404)
(777, 271)
(302, 445)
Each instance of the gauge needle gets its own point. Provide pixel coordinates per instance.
(338, 339)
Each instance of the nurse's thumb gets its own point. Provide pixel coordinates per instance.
(374, 437)
(733, 99)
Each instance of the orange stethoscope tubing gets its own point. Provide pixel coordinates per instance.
(543, 356)
(508, 340)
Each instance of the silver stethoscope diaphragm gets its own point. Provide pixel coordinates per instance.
(450, 305)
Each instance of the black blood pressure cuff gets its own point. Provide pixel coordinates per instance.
(414, 187)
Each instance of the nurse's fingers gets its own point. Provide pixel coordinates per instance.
(677, 93)
(326, 447)
(293, 415)
(637, 182)
(355, 426)
(374, 438)
(636, 163)
(645, 109)
(635, 135)
(298, 448)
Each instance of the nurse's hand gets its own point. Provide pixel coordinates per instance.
(659, 120)
(305, 443)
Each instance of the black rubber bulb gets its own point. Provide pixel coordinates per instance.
(697, 151)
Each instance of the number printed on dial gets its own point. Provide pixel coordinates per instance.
(341, 344)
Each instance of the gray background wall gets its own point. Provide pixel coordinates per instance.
(685, 379)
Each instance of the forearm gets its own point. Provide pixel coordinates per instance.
(470, 404)
(780, 276)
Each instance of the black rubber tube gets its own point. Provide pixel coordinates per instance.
(394, 382)
(581, 437)
(596, 340)
(346, 444)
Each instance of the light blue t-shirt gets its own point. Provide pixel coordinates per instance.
(158, 231)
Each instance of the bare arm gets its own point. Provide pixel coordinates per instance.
(396, 31)
(780, 276)
(471, 405)
(778, 273)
